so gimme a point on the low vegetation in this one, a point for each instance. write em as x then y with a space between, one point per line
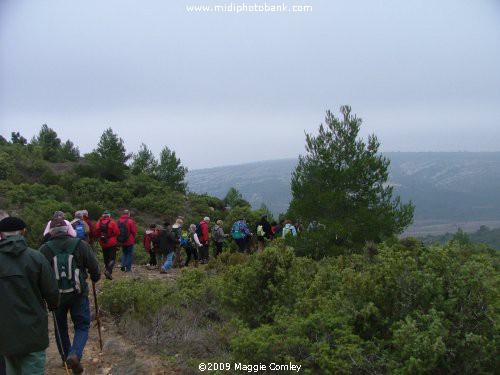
409 308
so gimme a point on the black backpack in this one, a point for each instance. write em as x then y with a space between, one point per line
123 236
68 276
199 231
103 231
168 236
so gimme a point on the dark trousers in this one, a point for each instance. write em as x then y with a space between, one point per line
109 255
152 258
78 307
191 251
204 253
218 248
242 244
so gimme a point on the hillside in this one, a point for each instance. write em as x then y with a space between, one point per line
318 301
449 190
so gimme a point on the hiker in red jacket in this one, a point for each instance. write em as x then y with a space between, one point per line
204 239
93 236
126 237
108 231
149 245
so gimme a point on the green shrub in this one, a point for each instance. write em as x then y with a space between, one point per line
420 343
7 167
141 297
267 283
322 343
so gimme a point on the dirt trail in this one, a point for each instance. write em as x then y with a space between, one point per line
119 356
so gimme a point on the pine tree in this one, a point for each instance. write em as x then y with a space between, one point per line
144 162
69 151
170 171
49 143
110 156
342 182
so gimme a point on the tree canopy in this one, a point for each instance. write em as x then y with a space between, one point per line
144 162
110 157
170 170
342 182
234 198
49 142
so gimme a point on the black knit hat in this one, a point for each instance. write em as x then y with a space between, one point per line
11 224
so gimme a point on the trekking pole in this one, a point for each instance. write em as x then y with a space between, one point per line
97 316
58 337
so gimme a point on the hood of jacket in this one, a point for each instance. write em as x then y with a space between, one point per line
13 245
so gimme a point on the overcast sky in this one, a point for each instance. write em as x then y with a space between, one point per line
226 88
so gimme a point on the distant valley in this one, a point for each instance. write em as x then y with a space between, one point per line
450 190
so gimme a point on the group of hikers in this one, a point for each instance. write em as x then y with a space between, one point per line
167 241
164 243
54 277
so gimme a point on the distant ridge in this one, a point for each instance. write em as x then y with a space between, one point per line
450 189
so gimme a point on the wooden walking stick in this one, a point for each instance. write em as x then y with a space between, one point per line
97 318
58 337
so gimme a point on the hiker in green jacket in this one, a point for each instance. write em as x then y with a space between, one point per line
27 287
71 273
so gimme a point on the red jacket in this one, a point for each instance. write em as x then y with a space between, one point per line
204 233
112 232
92 233
146 240
131 229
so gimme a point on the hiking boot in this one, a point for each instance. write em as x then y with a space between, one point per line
108 275
74 364
163 271
122 269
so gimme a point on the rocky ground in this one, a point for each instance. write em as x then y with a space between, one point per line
119 355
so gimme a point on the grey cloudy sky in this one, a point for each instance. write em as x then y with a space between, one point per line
223 88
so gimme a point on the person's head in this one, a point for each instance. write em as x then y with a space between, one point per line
85 213
152 226
219 223
126 212
206 219
263 217
179 221
106 214
12 226
192 228
58 227
58 214
288 222
79 215
166 224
